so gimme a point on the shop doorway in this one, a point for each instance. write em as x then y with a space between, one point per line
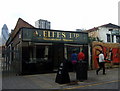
56 52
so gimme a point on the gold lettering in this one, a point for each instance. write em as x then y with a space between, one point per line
44 33
58 34
74 34
63 35
77 35
70 35
35 33
48 33
53 34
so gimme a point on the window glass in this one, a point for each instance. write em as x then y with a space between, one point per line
108 37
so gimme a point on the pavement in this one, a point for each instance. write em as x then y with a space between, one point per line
47 81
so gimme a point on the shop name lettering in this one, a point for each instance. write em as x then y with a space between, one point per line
59 35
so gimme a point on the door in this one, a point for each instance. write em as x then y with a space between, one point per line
57 54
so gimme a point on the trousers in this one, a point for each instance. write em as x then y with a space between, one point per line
101 65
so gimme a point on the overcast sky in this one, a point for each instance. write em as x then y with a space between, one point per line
63 14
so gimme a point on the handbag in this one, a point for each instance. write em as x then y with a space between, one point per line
74 61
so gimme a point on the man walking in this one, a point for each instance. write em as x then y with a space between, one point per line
101 63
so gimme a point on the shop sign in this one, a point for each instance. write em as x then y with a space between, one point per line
54 36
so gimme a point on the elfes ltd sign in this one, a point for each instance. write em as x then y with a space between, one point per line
54 36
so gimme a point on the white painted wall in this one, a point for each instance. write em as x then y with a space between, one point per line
102 34
114 39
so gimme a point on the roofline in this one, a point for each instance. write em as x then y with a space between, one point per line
55 30
95 28
23 21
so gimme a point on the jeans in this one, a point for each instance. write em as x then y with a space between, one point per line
101 65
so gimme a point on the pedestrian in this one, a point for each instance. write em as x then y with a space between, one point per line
81 56
81 70
101 63
74 60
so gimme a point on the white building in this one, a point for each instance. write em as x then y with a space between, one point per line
105 33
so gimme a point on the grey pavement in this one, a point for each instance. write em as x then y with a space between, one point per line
47 81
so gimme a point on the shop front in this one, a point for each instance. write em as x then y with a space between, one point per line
44 50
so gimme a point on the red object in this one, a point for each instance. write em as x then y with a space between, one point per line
81 56
115 58
116 55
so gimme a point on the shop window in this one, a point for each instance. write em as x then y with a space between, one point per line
70 51
40 51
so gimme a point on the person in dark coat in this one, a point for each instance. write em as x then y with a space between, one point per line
81 73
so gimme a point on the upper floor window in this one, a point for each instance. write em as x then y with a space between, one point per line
113 38
111 30
108 37
118 39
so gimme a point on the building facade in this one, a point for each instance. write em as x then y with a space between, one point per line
106 33
34 50
107 39
43 24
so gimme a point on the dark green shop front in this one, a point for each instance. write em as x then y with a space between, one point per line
43 50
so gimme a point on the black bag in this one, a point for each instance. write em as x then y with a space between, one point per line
62 76
81 70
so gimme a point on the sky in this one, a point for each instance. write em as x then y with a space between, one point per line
67 15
